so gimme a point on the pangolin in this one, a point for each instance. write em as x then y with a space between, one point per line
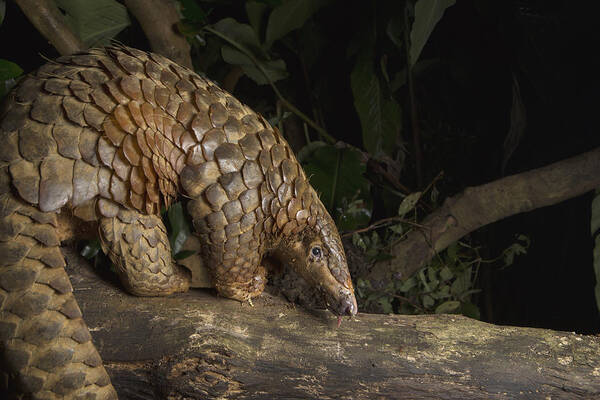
110 136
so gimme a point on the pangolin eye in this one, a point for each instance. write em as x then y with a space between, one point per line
316 251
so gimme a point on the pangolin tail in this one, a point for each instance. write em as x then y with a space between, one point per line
45 346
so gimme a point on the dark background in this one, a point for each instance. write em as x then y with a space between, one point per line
552 48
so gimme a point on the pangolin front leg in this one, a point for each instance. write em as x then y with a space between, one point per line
138 246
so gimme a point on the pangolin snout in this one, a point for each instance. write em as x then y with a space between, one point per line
348 308
345 306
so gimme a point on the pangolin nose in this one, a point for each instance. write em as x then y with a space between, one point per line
348 307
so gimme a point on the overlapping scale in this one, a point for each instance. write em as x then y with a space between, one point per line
137 131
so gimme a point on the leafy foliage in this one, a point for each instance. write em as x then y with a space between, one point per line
380 115
279 43
427 14
518 248
9 72
288 16
247 52
178 226
92 250
338 174
446 285
2 10
95 22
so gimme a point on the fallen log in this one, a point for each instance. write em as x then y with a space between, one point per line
198 346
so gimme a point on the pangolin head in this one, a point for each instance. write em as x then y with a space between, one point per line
318 256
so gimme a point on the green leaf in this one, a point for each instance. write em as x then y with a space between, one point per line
421 275
595 222
275 70
91 249
431 274
192 11
245 37
362 283
191 31
462 283
359 242
447 307
184 254
95 22
255 12
395 29
290 15
2 10
470 310
443 292
515 249
466 295
9 70
398 80
380 116
420 67
309 149
397 229
357 214
336 174
446 274
375 238
408 203
386 305
428 301
427 15
276 119
408 284
180 229
452 252
242 34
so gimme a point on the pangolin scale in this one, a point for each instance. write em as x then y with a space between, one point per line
111 136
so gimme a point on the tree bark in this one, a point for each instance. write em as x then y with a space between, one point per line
482 205
47 18
198 346
158 19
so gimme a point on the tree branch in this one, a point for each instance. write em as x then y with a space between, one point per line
199 346
482 205
48 20
158 19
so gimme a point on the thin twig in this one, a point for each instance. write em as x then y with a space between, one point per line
430 185
412 303
336 173
380 223
283 100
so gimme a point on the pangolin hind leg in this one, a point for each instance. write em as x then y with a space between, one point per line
139 247
46 348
